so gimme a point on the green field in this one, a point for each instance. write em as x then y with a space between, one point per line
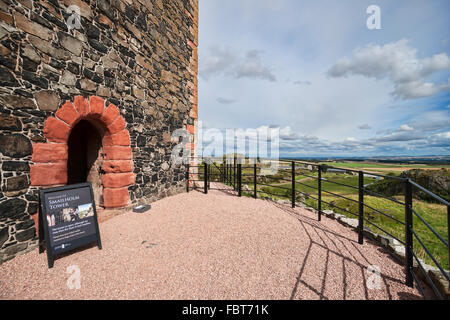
392 168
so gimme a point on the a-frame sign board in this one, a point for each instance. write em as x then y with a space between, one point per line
67 219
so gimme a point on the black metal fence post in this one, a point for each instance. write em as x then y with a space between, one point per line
226 172
234 174
205 177
408 234
319 188
209 176
187 178
239 179
361 207
254 181
293 185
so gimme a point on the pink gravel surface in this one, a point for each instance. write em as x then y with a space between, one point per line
214 246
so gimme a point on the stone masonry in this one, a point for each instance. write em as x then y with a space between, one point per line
131 66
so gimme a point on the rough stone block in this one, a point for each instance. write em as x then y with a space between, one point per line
82 105
68 113
117 126
56 130
115 197
97 105
50 152
47 100
119 139
117 166
117 180
116 153
44 174
110 114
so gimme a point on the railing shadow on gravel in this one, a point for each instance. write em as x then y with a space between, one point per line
230 174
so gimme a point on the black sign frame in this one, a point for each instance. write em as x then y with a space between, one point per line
44 232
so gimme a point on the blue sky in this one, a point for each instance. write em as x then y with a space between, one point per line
332 86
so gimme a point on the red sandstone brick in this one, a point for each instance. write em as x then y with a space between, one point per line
110 114
118 180
48 174
68 113
117 166
49 152
116 153
56 130
190 128
194 112
115 197
97 105
192 45
117 126
119 139
82 105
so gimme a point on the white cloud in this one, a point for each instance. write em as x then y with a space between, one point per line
225 61
398 62
405 127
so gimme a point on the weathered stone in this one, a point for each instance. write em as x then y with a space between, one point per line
17 102
15 145
70 43
48 174
47 100
55 130
34 79
15 248
30 53
31 27
68 78
25 235
17 183
88 85
97 45
50 152
441 283
46 47
10 123
7 79
4 235
15 166
12 207
25 224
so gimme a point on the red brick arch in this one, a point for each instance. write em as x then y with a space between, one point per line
50 159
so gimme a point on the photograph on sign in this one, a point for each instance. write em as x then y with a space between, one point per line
70 218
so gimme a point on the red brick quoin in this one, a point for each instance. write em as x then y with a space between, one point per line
50 159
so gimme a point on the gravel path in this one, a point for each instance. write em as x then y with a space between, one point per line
215 246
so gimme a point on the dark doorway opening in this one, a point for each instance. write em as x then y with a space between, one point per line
85 159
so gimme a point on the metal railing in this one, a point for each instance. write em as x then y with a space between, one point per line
231 174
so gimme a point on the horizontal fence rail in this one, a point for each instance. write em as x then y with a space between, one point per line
230 174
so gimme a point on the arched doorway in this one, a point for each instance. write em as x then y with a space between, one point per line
85 157
86 141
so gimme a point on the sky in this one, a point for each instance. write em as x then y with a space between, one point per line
329 84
